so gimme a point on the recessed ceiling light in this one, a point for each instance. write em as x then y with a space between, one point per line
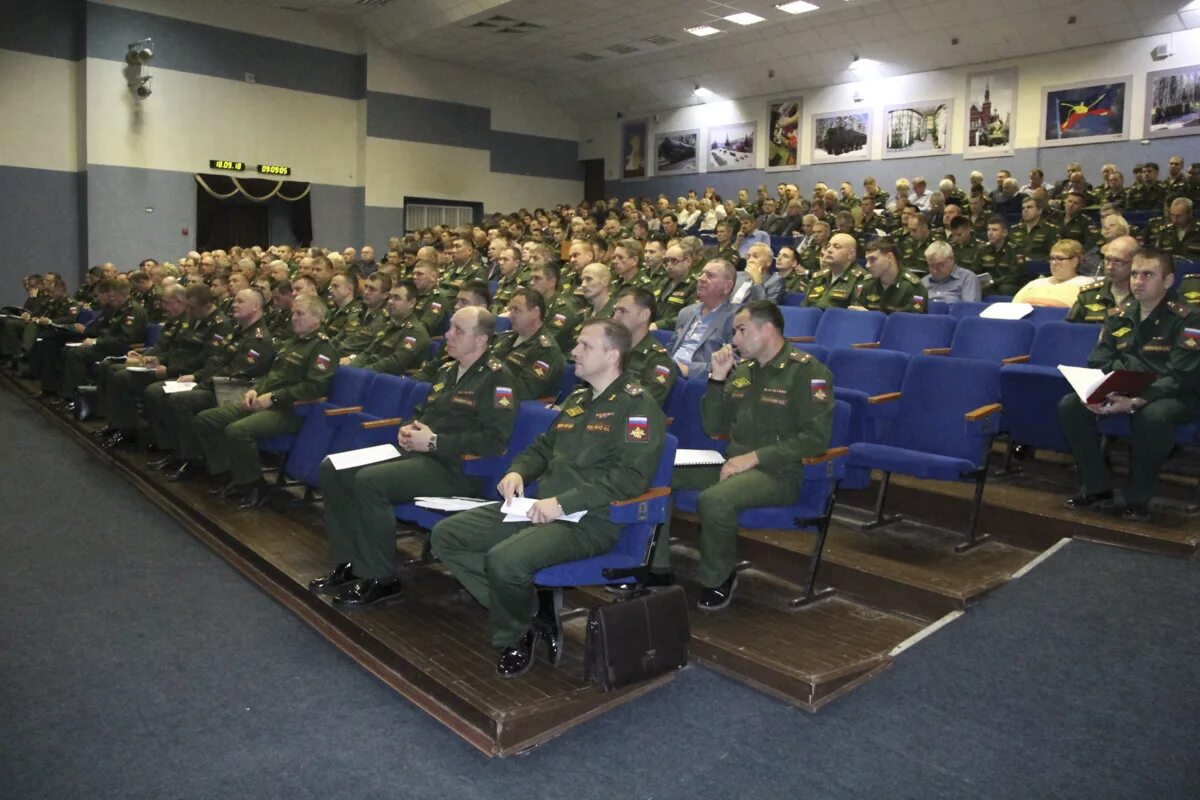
701 92
797 7
745 18
702 30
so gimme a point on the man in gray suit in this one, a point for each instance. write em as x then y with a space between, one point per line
707 325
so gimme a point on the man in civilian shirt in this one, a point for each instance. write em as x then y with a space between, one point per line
749 234
707 325
947 282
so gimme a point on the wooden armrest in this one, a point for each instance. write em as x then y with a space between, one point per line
983 411
652 494
308 402
390 422
866 345
828 455
1015 359
670 421
721 437
337 412
469 457
802 339
887 397
936 351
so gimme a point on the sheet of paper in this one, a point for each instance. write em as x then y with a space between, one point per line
1082 379
139 369
1007 311
451 503
698 458
363 456
171 387
517 510
73 344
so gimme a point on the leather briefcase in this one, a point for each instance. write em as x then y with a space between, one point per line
637 638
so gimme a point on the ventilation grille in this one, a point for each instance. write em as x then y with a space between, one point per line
622 49
659 39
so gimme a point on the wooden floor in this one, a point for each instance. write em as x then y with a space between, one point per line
891 584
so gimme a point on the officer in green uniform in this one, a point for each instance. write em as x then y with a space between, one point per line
433 307
1181 238
528 349
124 325
508 259
627 267
278 318
1189 290
465 266
726 244
361 331
890 287
679 291
999 259
910 251
87 294
229 434
812 253
835 284
961 238
240 349
603 447
653 253
1033 237
1176 180
146 294
1152 334
470 411
402 345
53 307
650 364
776 406
346 308
1100 299
1146 194
1076 224
561 314
598 301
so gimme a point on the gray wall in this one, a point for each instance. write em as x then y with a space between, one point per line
39 225
337 215
382 223
118 227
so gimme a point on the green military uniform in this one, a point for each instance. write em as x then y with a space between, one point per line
432 309
19 335
337 321
151 300
1105 195
906 293
1188 290
671 299
1180 243
1081 229
1167 343
979 226
505 289
1175 186
472 414
652 367
783 411
279 323
639 281
360 332
454 277
589 313
229 434
1033 243
868 225
810 257
398 348
1096 302
911 253
119 332
826 291
1004 265
536 363
656 281
561 318
602 448
966 255
225 305
229 351
119 388
1145 197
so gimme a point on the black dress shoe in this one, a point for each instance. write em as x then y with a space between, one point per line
550 632
1085 500
164 463
516 660
1136 512
367 592
718 597
105 432
339 577
253 495
224 482
187 470
120 439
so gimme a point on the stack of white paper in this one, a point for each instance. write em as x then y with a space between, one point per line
698 458
1007 311
171 387
517 510
350 459
451 504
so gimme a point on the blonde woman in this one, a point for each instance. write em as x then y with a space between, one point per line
1061 287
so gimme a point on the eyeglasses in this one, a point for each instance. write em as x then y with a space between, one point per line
1062 258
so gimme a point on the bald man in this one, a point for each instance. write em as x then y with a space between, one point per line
836 283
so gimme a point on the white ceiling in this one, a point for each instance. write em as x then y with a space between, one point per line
545 41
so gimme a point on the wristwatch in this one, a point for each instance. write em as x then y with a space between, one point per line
433 442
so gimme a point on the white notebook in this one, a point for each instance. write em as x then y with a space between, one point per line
698 458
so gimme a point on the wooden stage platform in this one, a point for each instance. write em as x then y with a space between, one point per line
892 584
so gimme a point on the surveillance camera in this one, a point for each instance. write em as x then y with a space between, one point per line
140 52
143 91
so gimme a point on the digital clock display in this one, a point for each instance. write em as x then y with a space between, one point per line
231 166
274 169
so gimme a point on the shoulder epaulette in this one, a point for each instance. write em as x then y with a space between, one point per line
800 357
633 389
1093 286
321 335
858 271
824 273
544 340
908 276
494 364
657 347
1180 309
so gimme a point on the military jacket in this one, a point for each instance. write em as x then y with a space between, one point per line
826 291
782 410
225 306
605 312
456 276
966 255
1081 229
432 309
505 288
361 331
639 281
810 257
120 330
1189 290
656 281
1166 343
150 300
912 253
401 346
201 340
1004 265
868 225
60 310
1145 197
1095 303
1034 243
652 367
279 321
1186 246
561 319
906 294
979 226
472 414
337 321
1172 186
601 448
302 370
237 352
671 299
167 348
536 363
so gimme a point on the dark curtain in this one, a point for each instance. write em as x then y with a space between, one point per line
222 222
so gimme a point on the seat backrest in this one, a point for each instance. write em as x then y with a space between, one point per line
533 419
1067 343
1184 267
503 324
567 383
817 351
912 333
793 299
153 332
419 394
966 308
992 339
388 396
939 307
349 385
870 371
936 393
841 327
800 321
673 404
1043 314
687 426
662 337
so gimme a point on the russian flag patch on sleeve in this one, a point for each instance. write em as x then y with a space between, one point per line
637 429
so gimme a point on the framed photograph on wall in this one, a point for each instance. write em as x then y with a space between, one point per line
917 129
783 134
633 150
1172 102
732 147
991 113
675 152
1086 112
839 136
